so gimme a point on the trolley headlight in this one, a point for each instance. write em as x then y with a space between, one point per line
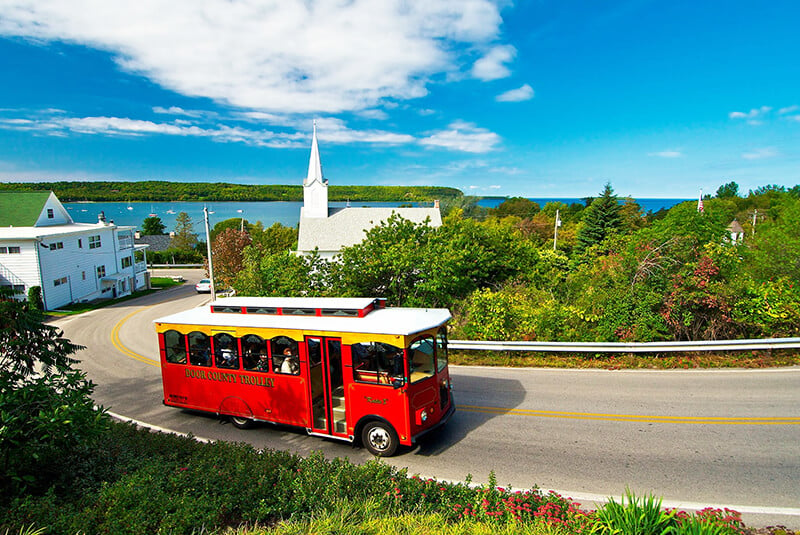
423 415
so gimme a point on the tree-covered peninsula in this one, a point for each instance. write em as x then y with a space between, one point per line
157 190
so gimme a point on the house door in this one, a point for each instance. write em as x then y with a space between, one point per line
326 385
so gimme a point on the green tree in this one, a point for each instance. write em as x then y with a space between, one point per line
389 263
152 226
275 239
46 408
281 274
731 189
517 206
185 238
600 219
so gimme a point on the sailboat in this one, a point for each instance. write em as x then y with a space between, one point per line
152 212
129 205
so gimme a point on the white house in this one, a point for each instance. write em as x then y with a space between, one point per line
330 229
40 245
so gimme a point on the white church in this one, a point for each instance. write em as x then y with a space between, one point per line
328 229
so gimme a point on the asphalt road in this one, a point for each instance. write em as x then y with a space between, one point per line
718 438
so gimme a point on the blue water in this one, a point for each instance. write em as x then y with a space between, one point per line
285 213
647 204
132 214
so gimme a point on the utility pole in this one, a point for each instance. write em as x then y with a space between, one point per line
755 216
555 231
210 264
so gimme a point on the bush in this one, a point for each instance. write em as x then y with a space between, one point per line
35 298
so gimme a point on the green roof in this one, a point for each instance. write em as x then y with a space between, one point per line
21 209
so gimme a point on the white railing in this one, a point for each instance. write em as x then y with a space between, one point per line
624 347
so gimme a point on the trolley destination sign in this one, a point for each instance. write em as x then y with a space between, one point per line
258 380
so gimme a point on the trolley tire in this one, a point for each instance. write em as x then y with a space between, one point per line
241 422
380 439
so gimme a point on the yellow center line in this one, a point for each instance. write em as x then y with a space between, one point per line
706 420
118 343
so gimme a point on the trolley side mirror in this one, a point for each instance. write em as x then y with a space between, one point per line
398 383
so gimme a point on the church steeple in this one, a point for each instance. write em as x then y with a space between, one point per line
315 186
314 163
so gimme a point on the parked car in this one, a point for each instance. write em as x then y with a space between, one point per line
204 286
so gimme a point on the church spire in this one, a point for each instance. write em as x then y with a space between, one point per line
314 163
315 187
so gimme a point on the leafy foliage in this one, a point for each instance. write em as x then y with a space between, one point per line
153 226
731 189
228 253
45 405
153 190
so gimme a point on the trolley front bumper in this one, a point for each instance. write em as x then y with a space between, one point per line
439 424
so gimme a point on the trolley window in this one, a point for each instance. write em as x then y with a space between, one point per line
284 356
376 362
199 349
441 350
255 353
175 347
226 354
421 355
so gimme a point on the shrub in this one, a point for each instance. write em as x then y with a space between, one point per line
35 298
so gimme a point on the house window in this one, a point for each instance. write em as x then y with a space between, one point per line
3 250
127 262
9 250
101 272
83 275
50 214
59 282
57 245
80 243
15 288
94 242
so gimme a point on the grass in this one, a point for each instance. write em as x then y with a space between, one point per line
739 359
156 283
130 481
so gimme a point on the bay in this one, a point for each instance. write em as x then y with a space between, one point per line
134 213
286 213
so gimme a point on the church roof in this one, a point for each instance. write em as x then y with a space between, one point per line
345 227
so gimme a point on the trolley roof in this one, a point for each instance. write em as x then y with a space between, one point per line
354 315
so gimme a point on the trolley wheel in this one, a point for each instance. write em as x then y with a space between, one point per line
380 439
241 422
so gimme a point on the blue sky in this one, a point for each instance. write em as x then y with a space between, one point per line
536 98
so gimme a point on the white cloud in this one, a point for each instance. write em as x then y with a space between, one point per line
753 116
463 136
760 154
379 115
667 154
516 95
492 65
788 109
288 56
331 130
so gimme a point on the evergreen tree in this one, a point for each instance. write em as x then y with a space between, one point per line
731 189
185 238
600 219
